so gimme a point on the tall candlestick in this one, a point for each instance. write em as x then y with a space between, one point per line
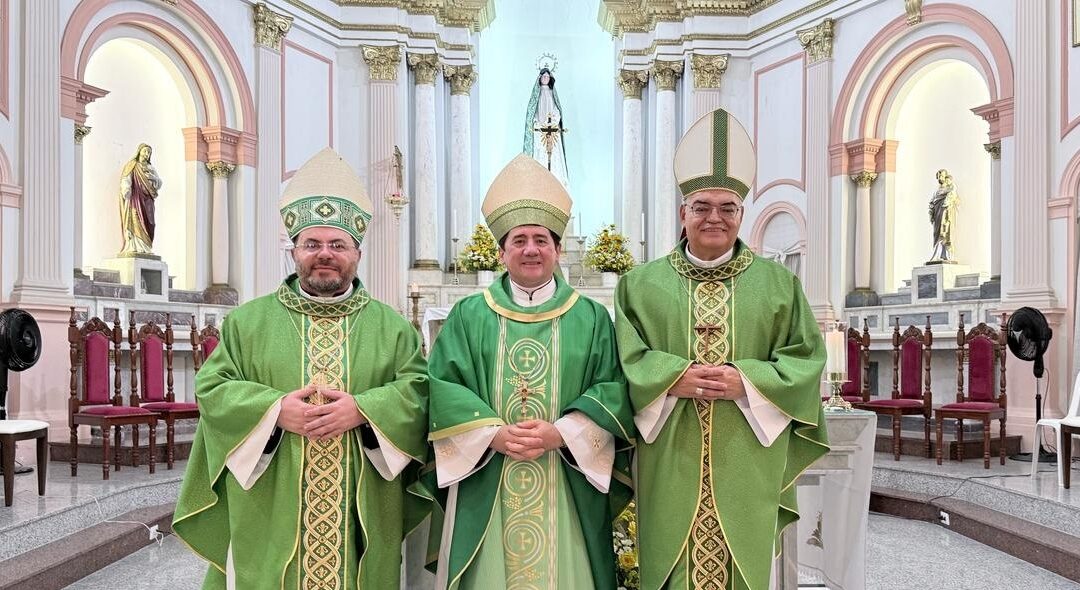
836 352
642 225
453 222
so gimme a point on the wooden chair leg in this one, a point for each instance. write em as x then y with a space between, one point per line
896 437
153 444
7 459
134 445
42 462
986 444
1065 456
74 451
170 429
926 437
1001 447
960 439
116 449
940 438
105 452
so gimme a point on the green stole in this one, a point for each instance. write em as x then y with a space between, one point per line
494 363
712 501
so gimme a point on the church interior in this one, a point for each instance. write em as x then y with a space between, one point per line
918 170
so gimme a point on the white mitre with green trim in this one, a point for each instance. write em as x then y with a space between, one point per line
326 192
715 153
526 193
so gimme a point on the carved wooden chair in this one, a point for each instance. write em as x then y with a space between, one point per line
911 393
93 406
857 388
203 342
152 378
984 347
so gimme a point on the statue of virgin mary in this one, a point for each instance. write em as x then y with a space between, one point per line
545 112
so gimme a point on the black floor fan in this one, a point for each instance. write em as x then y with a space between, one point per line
1028 337
20 348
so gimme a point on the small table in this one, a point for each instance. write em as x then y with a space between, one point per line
12 431
1067 432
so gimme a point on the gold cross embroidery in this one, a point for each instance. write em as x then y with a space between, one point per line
707 332
521 389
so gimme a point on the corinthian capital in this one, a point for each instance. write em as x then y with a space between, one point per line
461 78
666 73
632 81
708 69
382 61
270 27
864 179
817 40
220 169
426 66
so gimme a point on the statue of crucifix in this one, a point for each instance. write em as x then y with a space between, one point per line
548 136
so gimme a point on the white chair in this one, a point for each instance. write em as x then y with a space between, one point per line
1055 423
12 431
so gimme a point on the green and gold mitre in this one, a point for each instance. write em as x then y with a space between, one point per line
326 192
526 193
715 153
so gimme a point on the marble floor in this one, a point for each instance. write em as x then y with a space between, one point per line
934 558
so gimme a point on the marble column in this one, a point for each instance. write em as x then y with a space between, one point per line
707 70
817 41
81 131
42 277
863 181
219 222
425 67
270 29
461 79
665 202
1031 280
994 149
633 161
386 279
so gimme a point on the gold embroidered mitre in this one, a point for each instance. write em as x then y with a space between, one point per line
526 193
326 192
715 153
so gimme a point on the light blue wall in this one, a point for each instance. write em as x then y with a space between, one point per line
508 48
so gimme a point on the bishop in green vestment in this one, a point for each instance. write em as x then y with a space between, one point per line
724 360
312 407
530 419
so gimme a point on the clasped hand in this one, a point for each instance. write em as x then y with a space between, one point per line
528 440
326 421
710 383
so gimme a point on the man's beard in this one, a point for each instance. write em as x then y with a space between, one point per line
324 287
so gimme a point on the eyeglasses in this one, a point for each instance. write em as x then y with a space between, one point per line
337 246
726 211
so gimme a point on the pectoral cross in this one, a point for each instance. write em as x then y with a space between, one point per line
547 131
521 389
707 332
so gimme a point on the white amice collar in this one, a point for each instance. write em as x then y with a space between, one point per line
326 300
715 262
526 297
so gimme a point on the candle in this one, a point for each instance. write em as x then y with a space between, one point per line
414 289
836 352
643 225
453 223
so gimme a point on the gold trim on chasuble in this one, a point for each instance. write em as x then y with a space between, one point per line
712 345
528 490
324 507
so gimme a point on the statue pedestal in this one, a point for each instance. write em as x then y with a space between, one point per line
928 282
149 276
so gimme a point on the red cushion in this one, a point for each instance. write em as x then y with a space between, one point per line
854 370
115 411
150 370
171 406
208 346
911 369
895 403
972 406
96 369
981 369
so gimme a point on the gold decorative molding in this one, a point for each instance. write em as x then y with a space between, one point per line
666 73
817 40
632 81
640 16
461 78
382 61
994 149
398 29
220 169
708 69
425 65
864 179
914 11
474 15
81 131
270 27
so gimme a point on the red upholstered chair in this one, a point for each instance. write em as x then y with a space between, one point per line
857 388
984 346
203 342
90 354
152 378
911 394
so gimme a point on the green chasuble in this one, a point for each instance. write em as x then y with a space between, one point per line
712 501
320 516
530 524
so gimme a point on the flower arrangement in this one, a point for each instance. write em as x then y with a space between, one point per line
624 537
481 253
608 253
